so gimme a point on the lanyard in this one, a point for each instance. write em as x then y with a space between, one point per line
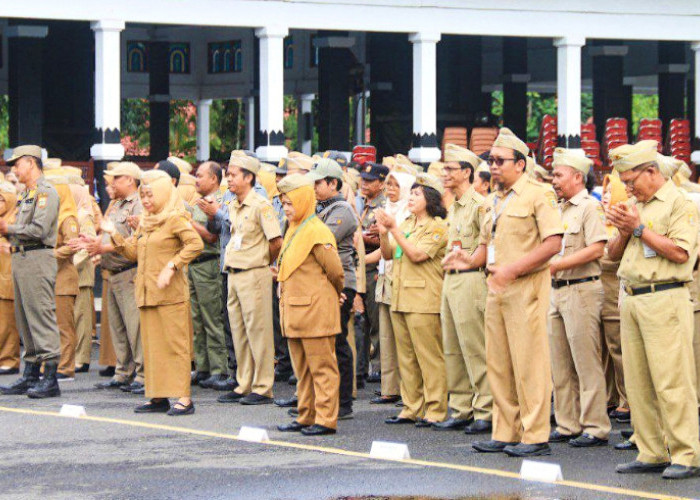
497 213
279 260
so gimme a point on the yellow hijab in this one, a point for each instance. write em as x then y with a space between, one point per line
9 194
304 232
66 204
167 202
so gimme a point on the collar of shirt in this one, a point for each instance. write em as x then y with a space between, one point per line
376 202
577 198
326 203
664 191
469 193
248 199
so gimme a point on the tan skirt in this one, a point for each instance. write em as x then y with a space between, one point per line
167 352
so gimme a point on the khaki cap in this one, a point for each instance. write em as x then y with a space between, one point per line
292 182
125 168
21 151
245 162
187 180
300 161
483 167
74 174
458 153
326 168
430 181
389 161
628 156
436 169
183 166
403 164
684 170
570 158
507 139
52 163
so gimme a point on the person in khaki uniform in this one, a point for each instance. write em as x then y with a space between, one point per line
311 281
106 356
254 245
9 336
522 231
657 248
580 397
163 244
464 301
415 301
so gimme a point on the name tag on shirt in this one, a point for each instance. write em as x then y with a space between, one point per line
648 252
381 267
490 255
237 241
563 246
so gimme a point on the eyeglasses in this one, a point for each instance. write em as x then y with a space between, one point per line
630 183
452 169
498 161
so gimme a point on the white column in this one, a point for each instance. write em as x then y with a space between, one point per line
695 155
425 146
271 126
203 106
306 124
250 123
569 90
107 90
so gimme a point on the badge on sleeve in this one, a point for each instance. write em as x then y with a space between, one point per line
551 198
692 217
601 212
268 213
74 228
41 200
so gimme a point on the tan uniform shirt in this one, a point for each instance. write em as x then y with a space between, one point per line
67 275
7 290
253 224
464 218
416 288
82 261
584 224
119 213
671 214
526 215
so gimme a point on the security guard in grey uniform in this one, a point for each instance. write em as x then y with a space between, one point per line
34 267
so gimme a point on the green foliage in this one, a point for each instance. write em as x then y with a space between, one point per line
135 119
291 125
227 128
643 106
4 121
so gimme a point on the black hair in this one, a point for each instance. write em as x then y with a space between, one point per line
466 164
170 169
591 180
339 186
251 174
517 155
485 176
433 201
216 170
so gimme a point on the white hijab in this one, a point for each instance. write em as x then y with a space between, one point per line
399 209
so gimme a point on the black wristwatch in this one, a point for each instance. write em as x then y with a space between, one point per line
637 233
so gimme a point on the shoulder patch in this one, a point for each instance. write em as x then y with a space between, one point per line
551 198
73 227
268 212
41 200
601 212
692 216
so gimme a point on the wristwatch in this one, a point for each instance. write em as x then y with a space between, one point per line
172 266
637 233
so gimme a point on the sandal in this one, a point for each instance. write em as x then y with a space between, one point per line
180 409
154 406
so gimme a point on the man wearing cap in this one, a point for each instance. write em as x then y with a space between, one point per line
657 247
340 218
254 245
580 397
463 302
373 176
522 231
34 268
123 319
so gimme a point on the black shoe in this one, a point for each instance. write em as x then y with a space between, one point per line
154 406
399 420
131 387
345 414
676 471
230 397
64 378
585 440
558 437
48 385
638 467
384 400
287 403
178 409
82 368
527 450
228 384
139 391
377 393
107 372
9 371
479 427
491 446
626 433
317 430
423 423
282 376
29 378
626 445
374 377
111 384
399 403
451 424
198 377
292 380
255 399
294 426
293 412
621 416
208 383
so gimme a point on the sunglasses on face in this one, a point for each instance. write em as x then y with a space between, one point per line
498 161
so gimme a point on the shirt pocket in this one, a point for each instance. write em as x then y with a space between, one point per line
573 238
299 301
517 221
414 283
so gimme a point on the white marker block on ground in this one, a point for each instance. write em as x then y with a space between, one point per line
389 451
75 411
540 471
253 434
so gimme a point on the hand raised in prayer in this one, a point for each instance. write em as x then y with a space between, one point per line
209 207
625 218
108 226
385 219
93 245
133 221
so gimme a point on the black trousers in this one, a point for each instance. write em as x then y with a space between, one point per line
371 330
284 361
227 326
343 352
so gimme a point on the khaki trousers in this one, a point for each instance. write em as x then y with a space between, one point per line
318 383
617 394
124 327
210 350
463 303
518 361
696 351
65 316
353 348
390 385
107 356
421 365
84 304
9 336
580 397
657 354
250 315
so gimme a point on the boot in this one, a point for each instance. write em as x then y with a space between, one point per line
48 386
29 378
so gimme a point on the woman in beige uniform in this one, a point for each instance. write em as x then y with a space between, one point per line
163 244
9 337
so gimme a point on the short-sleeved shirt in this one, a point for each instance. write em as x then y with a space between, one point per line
584 225
671 214
526 215
417 288
36 221
465 218
119 215
202 218
253 224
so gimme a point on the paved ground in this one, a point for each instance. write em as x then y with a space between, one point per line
50 457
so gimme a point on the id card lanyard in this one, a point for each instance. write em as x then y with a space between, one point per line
491 250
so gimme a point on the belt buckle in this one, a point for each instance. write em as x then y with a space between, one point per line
629 290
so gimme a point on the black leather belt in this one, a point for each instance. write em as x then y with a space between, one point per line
205 258
123 269
29 248
641 290
234 270
461 271
563 283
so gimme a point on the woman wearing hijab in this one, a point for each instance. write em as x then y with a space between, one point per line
311 280
398 189
163 244
9 337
